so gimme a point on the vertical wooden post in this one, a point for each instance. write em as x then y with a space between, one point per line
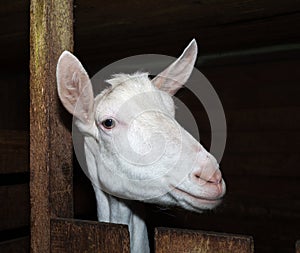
51 32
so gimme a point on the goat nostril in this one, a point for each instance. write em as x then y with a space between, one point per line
215 178
197 176
217 181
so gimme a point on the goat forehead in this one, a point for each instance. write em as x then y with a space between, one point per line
138 77
156 122
135 92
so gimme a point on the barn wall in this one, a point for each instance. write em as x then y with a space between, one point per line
252 60
260 96
14 127
14 163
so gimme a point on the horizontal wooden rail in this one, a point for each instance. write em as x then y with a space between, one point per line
14 151
184 241
14 211
77 236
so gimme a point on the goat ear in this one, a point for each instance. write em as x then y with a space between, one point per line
75 88
176 75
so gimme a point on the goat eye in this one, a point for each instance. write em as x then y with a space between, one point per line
108 123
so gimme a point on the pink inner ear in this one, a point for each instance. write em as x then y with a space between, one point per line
177 74
74 87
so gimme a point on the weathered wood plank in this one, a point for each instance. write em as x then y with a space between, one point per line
15 209
276 142
218 26
284 232
14 99
266 187
261 164
51 32
278 118
252 85
268 142
258 73
79 236
285 118
256 85
14 151
14 30
207 12
20 245
178 240
156 39
257 208
210 21
272 53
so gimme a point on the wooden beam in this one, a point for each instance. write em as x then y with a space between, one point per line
76 236
169 240
218 26
51 32
12 198
14 152
15 96
252 55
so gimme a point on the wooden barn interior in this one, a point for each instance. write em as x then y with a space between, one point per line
248 49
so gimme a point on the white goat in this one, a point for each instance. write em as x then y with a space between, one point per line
134 148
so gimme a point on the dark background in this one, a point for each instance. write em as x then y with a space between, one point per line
249 50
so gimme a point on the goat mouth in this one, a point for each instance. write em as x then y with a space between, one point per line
210 201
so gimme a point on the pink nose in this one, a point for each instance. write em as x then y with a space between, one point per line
212 178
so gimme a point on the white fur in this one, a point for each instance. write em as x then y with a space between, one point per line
147 156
